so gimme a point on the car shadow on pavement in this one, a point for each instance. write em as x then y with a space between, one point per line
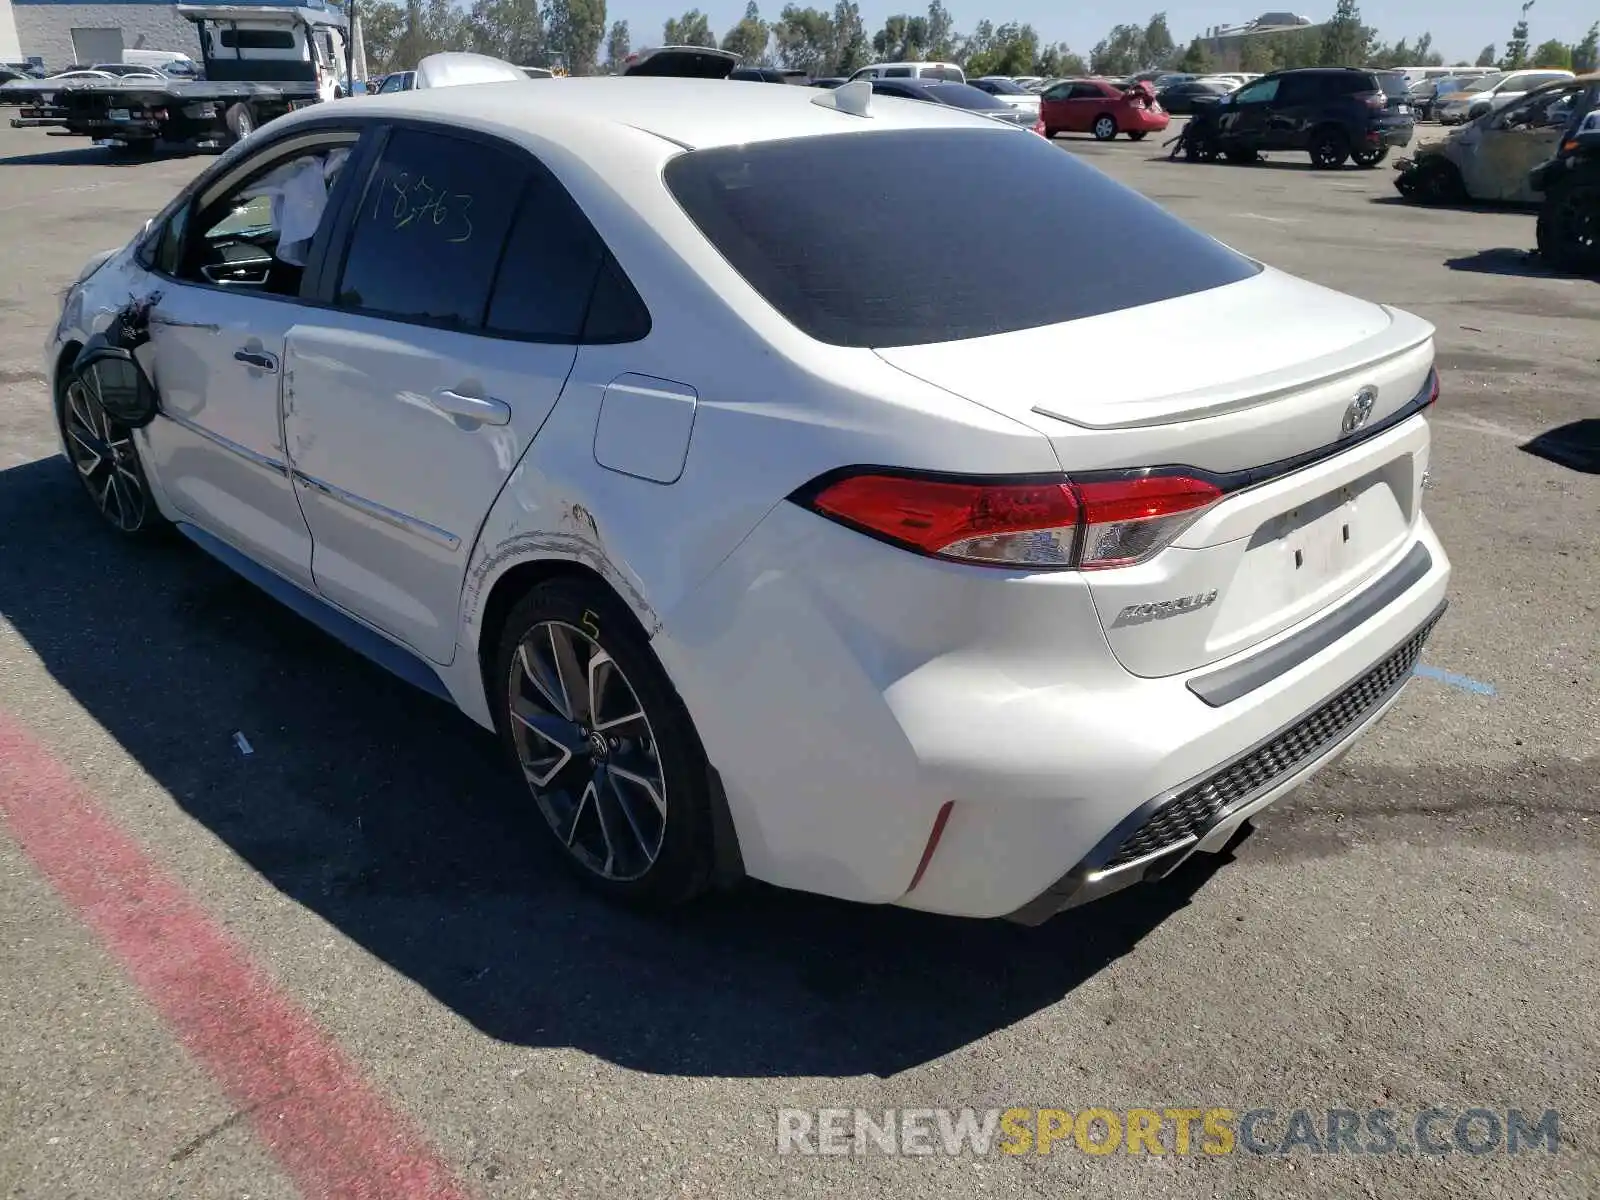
1506 260
395 820
1575 445
93 156
1466 206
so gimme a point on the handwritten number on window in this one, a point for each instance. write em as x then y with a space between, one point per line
420 204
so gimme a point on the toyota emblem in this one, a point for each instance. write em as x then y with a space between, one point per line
1359 412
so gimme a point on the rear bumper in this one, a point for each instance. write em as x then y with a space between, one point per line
1204 813
1142 120
848 693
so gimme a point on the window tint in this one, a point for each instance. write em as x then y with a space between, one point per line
548 270
169 248
950 73
430 229
257 39
911 265
897 72
959 95
1257 93
1060 92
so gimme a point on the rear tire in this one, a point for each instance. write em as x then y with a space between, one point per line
241 122
1367 159
1329 148
1569 227
1104 128
629 806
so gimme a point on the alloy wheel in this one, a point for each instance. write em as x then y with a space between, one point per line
1576 227
587 750
105 458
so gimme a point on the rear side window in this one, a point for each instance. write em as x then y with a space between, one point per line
890 255
898 73
428 235
550 270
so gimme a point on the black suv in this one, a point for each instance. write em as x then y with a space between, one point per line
1330 113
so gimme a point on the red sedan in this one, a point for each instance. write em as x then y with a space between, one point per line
1101 108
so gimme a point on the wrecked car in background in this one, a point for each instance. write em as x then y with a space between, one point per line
1490 158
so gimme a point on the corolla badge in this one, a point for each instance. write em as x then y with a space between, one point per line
1359 412
1138 613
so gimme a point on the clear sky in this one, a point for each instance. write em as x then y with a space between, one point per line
1460 28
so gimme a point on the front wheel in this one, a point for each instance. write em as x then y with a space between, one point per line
608 751
1137 135
102 452
1104 128
1329 149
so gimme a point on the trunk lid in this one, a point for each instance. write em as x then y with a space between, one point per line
1236 382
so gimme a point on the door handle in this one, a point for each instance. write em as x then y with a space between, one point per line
473 409
256 358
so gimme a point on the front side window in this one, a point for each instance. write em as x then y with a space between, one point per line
258 235
430 228
1257 93
911 266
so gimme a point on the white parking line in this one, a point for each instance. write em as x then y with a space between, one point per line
1274 220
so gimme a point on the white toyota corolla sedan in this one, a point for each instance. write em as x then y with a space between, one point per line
786 515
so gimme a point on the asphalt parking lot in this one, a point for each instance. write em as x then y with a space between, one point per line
1415 929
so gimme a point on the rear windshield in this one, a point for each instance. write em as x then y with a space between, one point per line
1004 87
1394 85
905 247
942 73
964 95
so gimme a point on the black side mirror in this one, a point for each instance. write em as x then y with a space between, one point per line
114 378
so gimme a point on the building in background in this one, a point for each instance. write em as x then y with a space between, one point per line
1224 44
62 32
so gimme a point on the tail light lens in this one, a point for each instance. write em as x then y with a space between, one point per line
1433 389
1038 127
1375 99
1053 524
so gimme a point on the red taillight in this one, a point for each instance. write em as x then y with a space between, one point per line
1375 99
1004 524
1127 520
1433 388
1047 525
1038 127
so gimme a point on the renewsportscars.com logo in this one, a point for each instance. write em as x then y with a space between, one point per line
1177 1131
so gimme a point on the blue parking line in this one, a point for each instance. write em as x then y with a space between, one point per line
1463 682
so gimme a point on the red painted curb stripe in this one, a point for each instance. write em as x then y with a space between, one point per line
334 1135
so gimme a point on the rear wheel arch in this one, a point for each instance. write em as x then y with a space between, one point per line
506 594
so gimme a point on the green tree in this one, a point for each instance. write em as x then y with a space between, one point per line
619 44
1058 61
1195 60
1260 54
1346 42
1120 52
1159 50
1516 54
509 29
804 39
1586 54
575 29
1486 56
1553 53
382 24
691 29
748 39
941 32
850 51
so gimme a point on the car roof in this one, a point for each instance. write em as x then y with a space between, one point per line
692 113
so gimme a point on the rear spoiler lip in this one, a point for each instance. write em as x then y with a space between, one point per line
1404 333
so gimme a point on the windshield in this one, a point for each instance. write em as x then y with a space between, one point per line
960 95
1004 87
889 254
